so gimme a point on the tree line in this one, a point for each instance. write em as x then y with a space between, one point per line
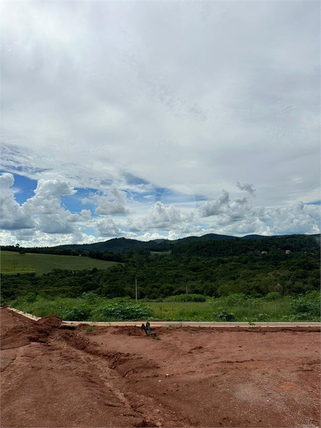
194 270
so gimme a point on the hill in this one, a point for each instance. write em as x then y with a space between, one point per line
123 245
223 243
118 249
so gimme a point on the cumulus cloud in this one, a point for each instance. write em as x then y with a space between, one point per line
46 208
85 215
112 202
43 211
107 228
215 207
12 215
247 187
160 217
239 217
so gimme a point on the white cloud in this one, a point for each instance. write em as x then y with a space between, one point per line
45 207
107 228
240 218
85 215
112 203
12 215
43 215
247 187
215 207
160 217
38 238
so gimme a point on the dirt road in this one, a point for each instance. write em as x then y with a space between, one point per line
64 376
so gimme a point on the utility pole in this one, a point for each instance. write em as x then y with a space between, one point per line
136 289
186 289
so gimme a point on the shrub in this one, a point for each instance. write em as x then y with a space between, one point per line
307 306
78 313
121 309
234 299
301 306
30 297
224 315
272 296
90 297
186 298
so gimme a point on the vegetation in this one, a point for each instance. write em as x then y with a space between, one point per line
236 307
186 298
83 309
226 279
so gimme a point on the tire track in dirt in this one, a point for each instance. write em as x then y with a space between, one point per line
46 358
120 368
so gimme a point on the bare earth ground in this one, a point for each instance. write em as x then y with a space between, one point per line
53 376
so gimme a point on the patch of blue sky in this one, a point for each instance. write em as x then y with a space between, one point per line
23 187
81 200
134 180
143 197
171 197
314 203
91 232
201 198
166 196
203 225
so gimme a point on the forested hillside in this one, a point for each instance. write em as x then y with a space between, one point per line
288 265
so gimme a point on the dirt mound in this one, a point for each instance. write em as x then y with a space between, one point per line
29 331
51 321
16 337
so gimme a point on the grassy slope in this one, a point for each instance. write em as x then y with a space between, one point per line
12 262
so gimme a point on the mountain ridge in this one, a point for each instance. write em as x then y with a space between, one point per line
123 245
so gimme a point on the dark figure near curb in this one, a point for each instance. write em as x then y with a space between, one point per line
146 329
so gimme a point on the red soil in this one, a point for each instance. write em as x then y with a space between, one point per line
119 377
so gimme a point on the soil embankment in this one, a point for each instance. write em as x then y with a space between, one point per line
60 376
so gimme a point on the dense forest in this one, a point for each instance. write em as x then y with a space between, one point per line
289 265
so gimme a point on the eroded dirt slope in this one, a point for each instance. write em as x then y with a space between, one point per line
118 377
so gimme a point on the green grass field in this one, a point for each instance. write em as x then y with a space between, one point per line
13 262
218 310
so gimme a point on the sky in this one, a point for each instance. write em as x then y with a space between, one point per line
158 119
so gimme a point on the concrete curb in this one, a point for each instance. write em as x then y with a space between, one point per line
25 314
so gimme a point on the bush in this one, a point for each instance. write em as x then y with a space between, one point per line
235 298
90 297
186 298
121 309
30 297
272 296
78 313
224 315
307 306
